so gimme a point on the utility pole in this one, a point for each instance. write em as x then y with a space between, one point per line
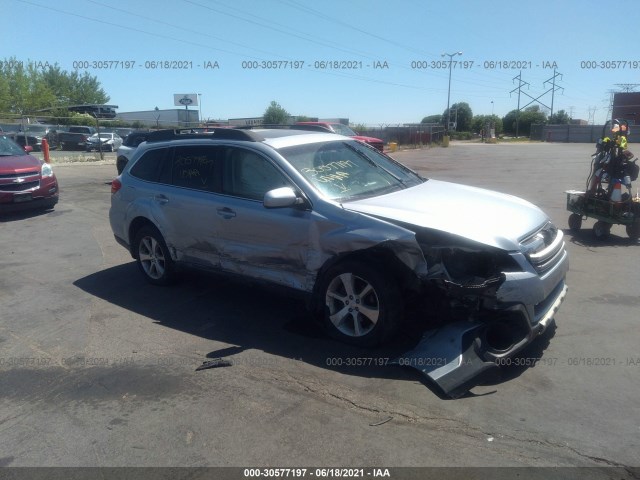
450 55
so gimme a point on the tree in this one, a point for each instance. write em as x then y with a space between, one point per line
460 113
432 119
527 117
26 87
275 114
559 118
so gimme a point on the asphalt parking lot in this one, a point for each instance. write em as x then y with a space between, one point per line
98 368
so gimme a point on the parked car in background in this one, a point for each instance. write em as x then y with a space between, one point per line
33 135
342 129
122 131
25 181
107 142
360 235
129 145
75 138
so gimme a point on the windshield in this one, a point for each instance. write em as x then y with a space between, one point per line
346 170
9 148
343 130
36 129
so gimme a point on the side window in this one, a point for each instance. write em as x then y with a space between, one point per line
196 167
249 175
150 165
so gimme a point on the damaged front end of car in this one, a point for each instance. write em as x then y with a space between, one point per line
497 302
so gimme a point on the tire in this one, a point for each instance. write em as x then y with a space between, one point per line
121 162
153 257
633 230
601 229
575 222
360 305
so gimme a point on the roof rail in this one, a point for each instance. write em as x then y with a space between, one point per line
218 133
312 128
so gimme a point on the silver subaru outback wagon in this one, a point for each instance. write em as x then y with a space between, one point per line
354 230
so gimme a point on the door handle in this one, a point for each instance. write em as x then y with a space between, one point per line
226 212
161 199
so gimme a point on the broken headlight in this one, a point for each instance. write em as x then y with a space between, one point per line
468 266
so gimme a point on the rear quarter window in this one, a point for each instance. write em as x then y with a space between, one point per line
152 167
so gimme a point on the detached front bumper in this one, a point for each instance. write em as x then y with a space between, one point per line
457 355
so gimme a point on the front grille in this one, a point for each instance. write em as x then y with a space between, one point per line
19 187
545 248
11 176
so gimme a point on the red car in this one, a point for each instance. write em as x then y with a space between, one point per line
341 129
25 182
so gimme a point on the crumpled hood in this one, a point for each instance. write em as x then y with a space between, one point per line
485 216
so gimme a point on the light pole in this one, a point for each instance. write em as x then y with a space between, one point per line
492 108
200 108
450 55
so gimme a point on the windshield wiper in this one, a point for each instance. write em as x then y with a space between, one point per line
370 161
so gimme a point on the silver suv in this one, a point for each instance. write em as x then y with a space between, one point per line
360 234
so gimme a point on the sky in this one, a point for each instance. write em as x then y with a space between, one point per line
374 62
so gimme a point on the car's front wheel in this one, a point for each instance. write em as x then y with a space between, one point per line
153 256
361 305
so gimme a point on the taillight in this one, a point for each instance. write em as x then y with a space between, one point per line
116 185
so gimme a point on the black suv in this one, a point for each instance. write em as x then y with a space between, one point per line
128 146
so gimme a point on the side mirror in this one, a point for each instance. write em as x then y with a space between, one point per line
281 198
28 148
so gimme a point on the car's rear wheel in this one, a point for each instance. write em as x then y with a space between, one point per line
361 306
153 256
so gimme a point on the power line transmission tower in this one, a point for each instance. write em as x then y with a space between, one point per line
610 104
521 83
553 88
627 87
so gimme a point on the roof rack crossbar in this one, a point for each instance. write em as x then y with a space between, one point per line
278 126
218 133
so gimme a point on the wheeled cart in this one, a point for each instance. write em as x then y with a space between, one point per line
606 212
